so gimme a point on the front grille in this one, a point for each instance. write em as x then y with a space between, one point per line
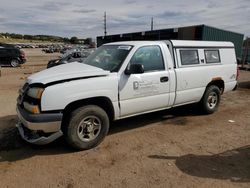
25 86
22 93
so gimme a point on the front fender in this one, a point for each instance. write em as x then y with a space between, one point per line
58 96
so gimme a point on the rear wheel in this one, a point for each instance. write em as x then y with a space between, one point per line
87 127
14 63
211 99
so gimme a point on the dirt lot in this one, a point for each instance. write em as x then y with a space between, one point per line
173 148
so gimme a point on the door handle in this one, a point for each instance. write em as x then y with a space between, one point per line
164 79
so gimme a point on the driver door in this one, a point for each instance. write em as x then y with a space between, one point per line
147 91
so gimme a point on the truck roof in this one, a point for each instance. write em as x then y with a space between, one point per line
135 43
178 43
195 43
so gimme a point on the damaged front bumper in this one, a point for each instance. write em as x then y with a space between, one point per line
34 138
39 129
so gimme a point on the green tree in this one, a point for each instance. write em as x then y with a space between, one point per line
66 40
73 40
88 41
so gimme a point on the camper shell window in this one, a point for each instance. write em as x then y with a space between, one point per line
212 56
189 57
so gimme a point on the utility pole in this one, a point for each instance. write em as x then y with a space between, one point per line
105 24
152 24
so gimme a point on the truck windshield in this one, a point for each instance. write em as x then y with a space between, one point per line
109 57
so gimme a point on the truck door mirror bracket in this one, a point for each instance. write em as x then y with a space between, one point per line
134 69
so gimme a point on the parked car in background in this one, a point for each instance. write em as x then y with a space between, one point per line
71 56
10 55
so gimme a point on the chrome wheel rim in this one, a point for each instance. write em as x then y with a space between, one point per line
89 128
212 100
14 63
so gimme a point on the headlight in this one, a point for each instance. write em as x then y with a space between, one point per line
35 92
34 109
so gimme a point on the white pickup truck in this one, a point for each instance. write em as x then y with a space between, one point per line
119 80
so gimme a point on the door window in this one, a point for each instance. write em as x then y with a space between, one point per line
150 57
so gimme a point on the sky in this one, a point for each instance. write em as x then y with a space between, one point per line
84 18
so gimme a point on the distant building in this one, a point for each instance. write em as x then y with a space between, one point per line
246 52
197 32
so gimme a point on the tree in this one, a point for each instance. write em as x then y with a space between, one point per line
88 41
28 37
66 40
73 40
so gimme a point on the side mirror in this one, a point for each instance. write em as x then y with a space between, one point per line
134 69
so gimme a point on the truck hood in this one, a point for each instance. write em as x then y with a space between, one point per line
66 72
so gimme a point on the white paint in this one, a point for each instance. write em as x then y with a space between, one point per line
64 72
140 93
196 44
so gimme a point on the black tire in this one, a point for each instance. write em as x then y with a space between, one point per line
211 99
82 132
14 63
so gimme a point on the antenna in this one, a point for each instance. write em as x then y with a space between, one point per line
105 24
152 24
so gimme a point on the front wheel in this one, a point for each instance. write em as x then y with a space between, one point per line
87 127
211 99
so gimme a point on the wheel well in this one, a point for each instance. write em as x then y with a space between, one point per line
102 102
219 83
14 58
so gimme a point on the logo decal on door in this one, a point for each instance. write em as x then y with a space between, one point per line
146 88
136 85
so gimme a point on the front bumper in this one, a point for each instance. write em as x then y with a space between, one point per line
36 139
43 122
31 124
